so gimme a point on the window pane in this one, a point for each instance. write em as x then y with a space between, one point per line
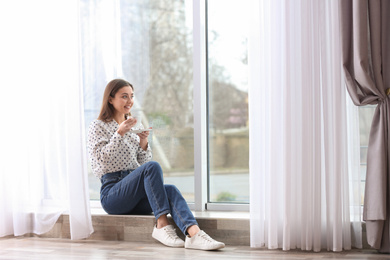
228 25
148 43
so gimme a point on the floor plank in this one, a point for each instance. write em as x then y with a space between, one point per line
49 248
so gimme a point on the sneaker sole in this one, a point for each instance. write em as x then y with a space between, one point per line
208 249
176 246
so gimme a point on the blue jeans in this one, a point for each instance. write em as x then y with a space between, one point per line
142 191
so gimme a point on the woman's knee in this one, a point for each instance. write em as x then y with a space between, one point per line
153 171
154 166
171 189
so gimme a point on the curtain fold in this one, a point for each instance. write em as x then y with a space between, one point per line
366 63
43 171
304 171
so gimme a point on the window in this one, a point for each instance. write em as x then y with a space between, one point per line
150 44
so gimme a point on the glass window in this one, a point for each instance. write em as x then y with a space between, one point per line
227 37
148 43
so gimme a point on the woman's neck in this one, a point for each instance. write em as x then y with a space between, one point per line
119 118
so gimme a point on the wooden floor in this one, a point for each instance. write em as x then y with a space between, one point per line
53 248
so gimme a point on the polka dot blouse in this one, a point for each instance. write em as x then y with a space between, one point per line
110 152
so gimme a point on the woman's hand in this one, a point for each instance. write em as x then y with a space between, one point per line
143 139
143 135
126 125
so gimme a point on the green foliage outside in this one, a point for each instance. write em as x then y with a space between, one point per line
226 196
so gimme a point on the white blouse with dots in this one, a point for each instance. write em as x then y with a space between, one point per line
110 152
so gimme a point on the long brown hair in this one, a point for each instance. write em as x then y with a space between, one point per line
107 110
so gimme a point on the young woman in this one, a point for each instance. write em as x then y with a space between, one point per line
131 182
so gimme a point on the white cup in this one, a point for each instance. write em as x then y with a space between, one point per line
137 115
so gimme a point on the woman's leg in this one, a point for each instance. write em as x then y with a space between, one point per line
142 208
146 181
184 219
193 230
179 209
126 196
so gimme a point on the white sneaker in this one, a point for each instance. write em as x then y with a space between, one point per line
167 235
202 241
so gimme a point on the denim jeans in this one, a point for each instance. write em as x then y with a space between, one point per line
142 191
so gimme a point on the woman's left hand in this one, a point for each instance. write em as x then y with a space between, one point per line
143 139
143 135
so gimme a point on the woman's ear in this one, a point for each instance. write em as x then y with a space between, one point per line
110 100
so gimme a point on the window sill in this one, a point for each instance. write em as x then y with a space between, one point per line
218 212
197 214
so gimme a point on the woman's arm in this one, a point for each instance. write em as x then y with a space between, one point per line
102 146
143 140
144 151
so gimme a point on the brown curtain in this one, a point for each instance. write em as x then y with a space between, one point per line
365 29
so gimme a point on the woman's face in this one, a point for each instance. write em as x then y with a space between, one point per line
123 100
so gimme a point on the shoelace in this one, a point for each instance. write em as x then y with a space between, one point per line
207 237
171 233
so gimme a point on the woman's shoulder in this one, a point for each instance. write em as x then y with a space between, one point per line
100 124
97 124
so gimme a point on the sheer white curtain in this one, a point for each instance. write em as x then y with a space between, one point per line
42 161
304 154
